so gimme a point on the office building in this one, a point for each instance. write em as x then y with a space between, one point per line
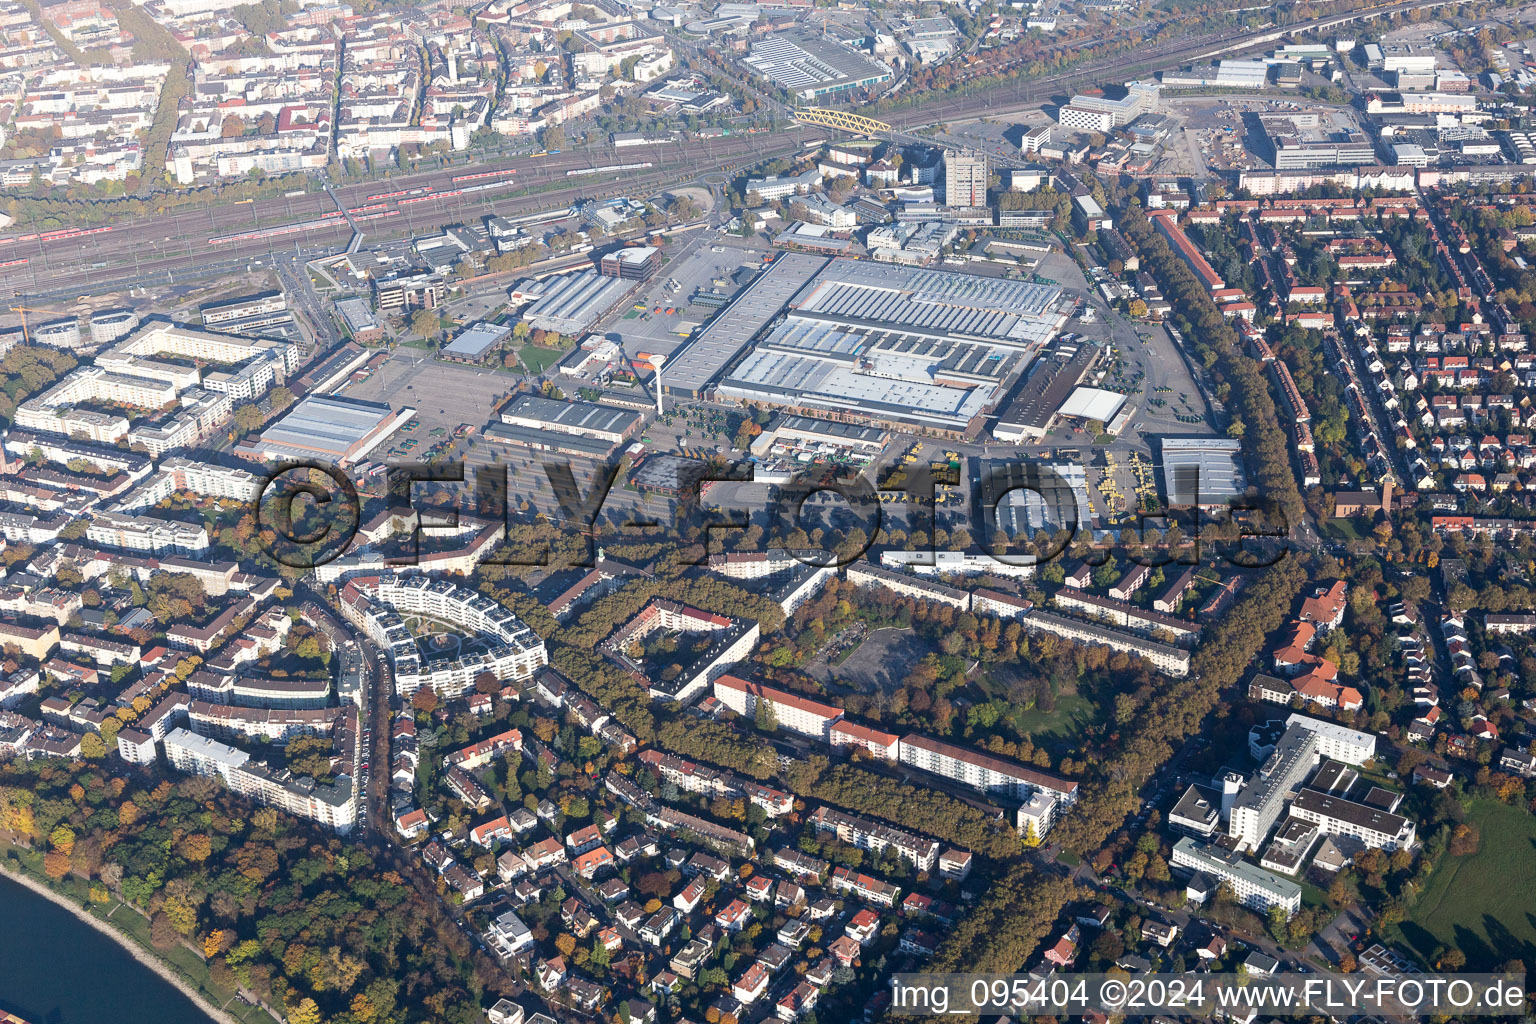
1096 113
633 263
966 173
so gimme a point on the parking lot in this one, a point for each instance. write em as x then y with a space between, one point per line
445 396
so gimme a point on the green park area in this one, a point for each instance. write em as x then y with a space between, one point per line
1483 903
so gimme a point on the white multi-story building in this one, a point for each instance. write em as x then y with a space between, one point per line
1169 660
791 711
991 775
1253 886
198 755
1336 741
1377 828
1261 802
862 575
1095 113
146 533
373 604
136 747
334 806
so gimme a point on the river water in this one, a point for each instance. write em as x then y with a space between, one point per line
56 970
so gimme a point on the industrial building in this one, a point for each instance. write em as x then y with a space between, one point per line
475 341
1039 399
584 429
811 66
1225 74
327 428
1202 471
569 303
695 365
1021 498
1302 140
909 348
584 418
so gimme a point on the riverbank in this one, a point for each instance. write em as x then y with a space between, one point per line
144 957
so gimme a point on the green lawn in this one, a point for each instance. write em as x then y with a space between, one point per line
1073 713
1340 529
1485 904
537 358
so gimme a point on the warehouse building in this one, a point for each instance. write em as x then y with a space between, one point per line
327 428
1202 471
475 341
586 419
811 66
1056 374
584 429
694 366
1225 74
569 303
906 348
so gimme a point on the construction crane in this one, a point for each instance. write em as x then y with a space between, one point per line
26 336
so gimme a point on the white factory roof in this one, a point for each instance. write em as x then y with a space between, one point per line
1092 404
476 339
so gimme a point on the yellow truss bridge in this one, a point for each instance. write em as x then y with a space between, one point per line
841 120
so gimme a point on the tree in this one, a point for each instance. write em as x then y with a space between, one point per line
232 127
425 323
424 700
306 1012
763 717
92 748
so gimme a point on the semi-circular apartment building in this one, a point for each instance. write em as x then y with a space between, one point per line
375 604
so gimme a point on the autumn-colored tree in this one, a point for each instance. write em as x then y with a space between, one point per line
212 941
306 1012
196 847
162 933
127 812
56 865
363 1008
424 700
62 839
565 943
